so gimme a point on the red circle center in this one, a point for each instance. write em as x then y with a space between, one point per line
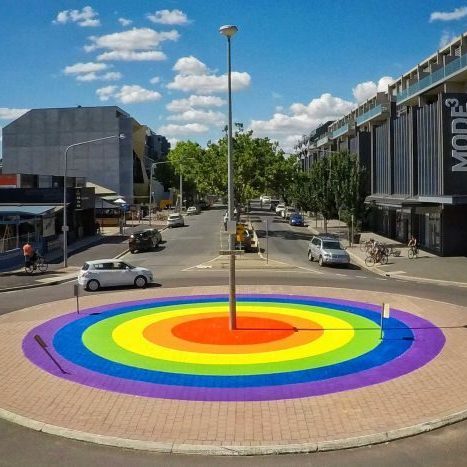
250 330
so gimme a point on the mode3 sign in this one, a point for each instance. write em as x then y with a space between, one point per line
458 113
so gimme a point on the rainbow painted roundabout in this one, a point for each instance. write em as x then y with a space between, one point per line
284 347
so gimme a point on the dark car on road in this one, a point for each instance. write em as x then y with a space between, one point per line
145 240
296 219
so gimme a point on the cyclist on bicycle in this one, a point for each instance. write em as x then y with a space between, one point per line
29 253
413 243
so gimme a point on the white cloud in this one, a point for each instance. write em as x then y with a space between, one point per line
11 114
190 66
131 40
87 17
182 130
209 83
276 95
90 72
80 68
128 94
132 56
199 116
301 119
457 13
364 91
194 76
155 80
446 38
125 22
106 92
110 76
182 105
168 17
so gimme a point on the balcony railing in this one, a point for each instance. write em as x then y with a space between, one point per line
372 113
322 141
433 79
340 131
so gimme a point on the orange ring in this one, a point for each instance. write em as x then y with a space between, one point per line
161 334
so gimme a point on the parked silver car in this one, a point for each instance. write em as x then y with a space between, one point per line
175 220
327 250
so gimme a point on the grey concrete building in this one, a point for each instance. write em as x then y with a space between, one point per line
35 144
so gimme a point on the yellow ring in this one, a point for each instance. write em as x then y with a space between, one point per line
128 335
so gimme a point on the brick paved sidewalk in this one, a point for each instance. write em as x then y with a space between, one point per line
430 396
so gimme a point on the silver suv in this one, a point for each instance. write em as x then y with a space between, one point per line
327 250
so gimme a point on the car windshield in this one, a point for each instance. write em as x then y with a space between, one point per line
332 245
174 216
85 267
126 265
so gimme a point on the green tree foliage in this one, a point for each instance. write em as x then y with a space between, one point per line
259 166
333 186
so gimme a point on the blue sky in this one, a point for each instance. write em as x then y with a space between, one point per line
295 63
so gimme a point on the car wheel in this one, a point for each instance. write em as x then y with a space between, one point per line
320 261
141 282
132 252
310 256
93 285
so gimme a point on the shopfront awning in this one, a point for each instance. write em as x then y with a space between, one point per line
32 210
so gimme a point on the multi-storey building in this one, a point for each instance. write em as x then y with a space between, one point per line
413 139
34 147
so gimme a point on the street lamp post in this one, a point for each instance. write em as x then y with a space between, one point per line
65 223
229 31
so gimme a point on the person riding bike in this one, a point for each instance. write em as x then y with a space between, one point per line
30 255
413 244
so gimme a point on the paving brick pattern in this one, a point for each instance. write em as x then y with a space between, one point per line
432 392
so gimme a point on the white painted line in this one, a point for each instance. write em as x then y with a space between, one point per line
396 272
362 277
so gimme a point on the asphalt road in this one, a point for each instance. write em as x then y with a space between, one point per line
175 265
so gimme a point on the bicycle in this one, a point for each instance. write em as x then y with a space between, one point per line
366 246
377 256
412 252
39 264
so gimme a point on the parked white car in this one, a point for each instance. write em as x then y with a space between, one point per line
288 211
280 208
192 210
110 272
175 220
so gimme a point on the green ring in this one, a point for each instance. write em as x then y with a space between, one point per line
98 339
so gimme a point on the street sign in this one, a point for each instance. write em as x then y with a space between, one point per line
386 310
231 252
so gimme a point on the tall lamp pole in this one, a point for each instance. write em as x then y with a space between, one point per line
65 222
229 31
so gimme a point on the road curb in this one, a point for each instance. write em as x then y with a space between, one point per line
214 450
59 281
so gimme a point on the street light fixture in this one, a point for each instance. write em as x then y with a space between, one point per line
65 224
229 31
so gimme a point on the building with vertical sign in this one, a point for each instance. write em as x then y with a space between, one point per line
413 141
